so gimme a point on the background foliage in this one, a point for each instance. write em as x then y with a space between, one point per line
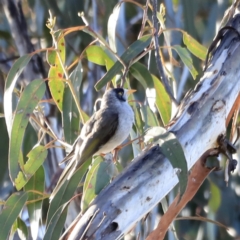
27 213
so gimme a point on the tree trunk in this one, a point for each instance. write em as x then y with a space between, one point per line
200 120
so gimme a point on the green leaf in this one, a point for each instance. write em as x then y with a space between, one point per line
142 74
97 178
36 158
132 52
56 85
70 114
215 199
61 47
172 149
194 46
22 229
163 101
13 230
112 24
36 183
138 119
51 57
56 71
148 117
56 224
30 97
98 56
186 58
11 80
67 190
10 212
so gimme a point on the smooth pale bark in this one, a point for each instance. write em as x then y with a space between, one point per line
201 119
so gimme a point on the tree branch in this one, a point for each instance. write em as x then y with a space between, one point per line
198 174
200 120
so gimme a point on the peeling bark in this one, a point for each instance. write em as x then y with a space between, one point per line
200 120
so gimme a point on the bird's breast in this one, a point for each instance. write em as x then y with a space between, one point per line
125 122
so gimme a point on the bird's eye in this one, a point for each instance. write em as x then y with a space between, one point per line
120 93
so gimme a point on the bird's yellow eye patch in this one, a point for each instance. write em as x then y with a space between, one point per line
120 93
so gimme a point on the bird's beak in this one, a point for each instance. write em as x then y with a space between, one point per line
130 91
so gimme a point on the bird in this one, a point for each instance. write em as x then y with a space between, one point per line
102 133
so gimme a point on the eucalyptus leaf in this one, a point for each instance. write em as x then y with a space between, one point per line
56 224
194 46
186 58
148 117
10 212
36 158
56 71
36 183
11 80
97 178
215 197
112 24
30 97
130 54
22 229
173 151
67 190
97 55
70 114
163 101
142 74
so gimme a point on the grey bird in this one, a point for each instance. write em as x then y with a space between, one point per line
102 133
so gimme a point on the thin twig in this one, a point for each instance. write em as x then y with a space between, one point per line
144 19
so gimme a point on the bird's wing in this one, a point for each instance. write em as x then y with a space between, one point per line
99 130
71 153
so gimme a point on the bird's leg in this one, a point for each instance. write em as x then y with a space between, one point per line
115 153
117 149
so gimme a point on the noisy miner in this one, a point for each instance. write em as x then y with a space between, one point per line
102 133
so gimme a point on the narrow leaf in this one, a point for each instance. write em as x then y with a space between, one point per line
51 57
98 56
194 46
96 179
67 190
215 197
70 114
36 158
132 52
112 23
172 149
30 97
56 85
56 224
148 117
56 71
138 119
142 74
36 183
61 47
22 229
163 101
10 212
11 80
186 58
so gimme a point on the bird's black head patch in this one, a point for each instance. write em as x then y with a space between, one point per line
120 94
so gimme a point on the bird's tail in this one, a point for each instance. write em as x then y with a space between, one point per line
66 175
